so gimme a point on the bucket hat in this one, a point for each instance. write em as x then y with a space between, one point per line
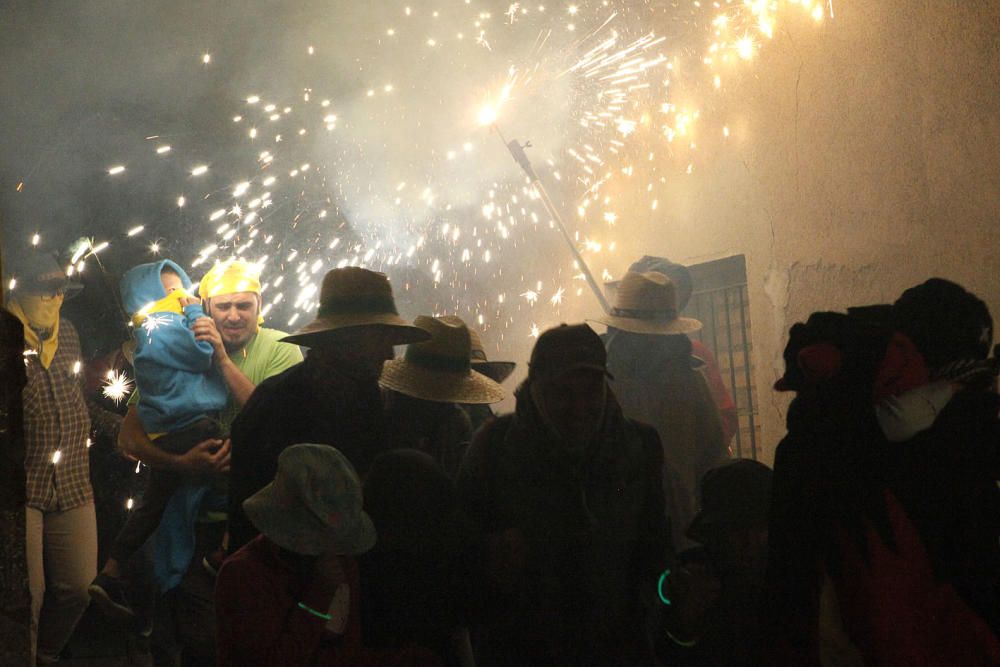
314 504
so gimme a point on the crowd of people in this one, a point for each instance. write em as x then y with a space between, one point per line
352 506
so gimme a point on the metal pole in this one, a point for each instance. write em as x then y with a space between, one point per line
517 152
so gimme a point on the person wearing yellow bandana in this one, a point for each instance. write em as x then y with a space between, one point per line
61 529
245 354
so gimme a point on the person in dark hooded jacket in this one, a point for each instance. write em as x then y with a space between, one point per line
569 493
942 455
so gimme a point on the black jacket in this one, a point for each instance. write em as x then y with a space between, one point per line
946 480
595 533
296 407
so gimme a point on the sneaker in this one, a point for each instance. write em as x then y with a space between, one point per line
213 561
109 594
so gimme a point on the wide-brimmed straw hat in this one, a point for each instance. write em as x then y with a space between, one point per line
497 371
353 297
314 504
646 303
440 369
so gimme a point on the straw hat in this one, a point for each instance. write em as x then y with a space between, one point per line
354 297
440 369
497 371
646 303
314 504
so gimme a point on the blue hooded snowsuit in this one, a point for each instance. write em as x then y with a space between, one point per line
174 374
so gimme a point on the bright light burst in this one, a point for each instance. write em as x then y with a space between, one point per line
117 386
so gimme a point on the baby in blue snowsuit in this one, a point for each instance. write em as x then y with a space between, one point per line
180 397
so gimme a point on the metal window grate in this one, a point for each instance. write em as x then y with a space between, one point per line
720 300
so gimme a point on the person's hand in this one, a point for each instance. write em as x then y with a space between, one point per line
329 573
206 458
186 301
204 329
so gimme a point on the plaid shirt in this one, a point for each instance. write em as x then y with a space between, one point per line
57 428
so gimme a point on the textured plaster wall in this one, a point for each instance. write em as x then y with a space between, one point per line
864 158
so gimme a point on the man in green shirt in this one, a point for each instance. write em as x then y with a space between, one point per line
245 354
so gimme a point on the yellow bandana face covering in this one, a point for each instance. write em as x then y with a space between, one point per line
39 314
42 313
171 303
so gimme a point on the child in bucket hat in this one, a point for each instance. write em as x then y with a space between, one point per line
292 596
313 506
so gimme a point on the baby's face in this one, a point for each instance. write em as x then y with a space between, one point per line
171 282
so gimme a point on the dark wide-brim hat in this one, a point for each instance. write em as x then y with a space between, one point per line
37 272
352 297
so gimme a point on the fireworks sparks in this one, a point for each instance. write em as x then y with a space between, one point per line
117 386
617 113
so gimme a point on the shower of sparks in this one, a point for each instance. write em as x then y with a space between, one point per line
619 113
154 322
117 386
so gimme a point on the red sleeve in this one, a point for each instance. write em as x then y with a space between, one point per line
723 401
259 623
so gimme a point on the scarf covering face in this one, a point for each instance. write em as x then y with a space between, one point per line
902 417
39 315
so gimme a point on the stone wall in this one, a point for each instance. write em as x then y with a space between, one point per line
864 157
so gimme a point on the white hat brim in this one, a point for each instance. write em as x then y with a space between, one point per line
680 325
443 387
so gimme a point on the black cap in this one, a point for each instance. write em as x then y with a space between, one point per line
734 496
566 348
37 272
